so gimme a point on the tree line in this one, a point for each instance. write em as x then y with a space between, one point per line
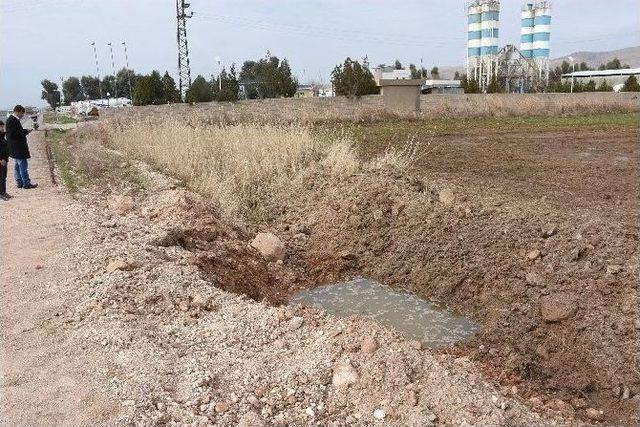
268 77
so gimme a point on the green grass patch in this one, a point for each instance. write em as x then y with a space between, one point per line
82 163
53 117
64 161
402 129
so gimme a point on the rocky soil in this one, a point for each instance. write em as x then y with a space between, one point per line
550 270
184 351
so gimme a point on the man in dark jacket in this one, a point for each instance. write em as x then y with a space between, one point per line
4 161
18 148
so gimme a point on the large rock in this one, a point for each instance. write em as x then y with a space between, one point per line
557 308
269 245
344 374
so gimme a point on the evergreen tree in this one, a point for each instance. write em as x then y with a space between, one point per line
435 73
631 85
72 90
604 87
200 91
90 87
109 86
50 93
493 86
398 65
418 73
149 90
268 78
169 89
287 85
226 87
123 77
352 80
469 85
590 86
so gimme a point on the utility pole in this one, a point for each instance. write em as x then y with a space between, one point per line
219 73
95 54
126 59
115 76
184 72
61 91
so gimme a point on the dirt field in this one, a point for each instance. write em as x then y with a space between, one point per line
527 226
539 243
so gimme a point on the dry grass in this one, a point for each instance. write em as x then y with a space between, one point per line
370 109
246 168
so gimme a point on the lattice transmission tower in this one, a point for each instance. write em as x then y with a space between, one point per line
184 71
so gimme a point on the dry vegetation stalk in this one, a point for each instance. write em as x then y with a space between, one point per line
246 167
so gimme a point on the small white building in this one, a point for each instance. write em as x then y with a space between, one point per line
389 72
83 107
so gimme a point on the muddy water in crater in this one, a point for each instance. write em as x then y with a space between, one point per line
405 312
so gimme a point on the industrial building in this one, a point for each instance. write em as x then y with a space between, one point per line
515 69
441 87
611 77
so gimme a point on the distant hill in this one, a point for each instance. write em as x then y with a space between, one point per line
629 55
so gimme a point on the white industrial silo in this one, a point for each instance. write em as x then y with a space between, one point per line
526 30
482 41
474 39
542 36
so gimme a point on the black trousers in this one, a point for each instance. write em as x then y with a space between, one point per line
3 178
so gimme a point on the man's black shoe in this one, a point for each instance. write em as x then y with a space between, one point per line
19 185
30 186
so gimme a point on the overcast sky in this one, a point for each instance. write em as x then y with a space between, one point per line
51 38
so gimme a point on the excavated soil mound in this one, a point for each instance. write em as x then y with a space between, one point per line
186 353
555 294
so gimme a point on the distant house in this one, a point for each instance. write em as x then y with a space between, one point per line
305 91
389 72
314 90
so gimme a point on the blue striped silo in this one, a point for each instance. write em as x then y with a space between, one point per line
527 18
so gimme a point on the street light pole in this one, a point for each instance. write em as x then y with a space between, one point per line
573 71
95 54
113 67
219 74
126 58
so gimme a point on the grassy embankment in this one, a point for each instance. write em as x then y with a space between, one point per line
53 117
82 162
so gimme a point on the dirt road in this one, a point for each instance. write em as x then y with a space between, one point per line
46 380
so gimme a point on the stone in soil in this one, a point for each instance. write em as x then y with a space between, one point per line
344 374
556 308
594 414
270 246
